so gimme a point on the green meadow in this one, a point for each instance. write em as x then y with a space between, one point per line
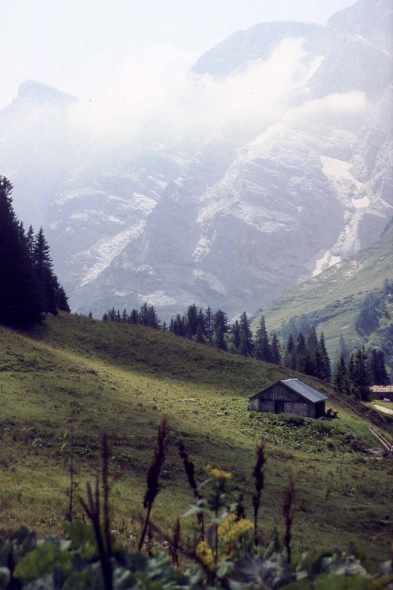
123 379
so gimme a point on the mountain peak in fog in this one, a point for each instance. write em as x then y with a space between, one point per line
37 91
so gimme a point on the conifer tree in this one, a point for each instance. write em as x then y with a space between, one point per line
289 349
246 343
312 341
340 374
134 317
199 337
62 300
144 315
209 325
300 344
262 345
235 337
43 266
275 350
361 376
152 318
192 320
219 337
326 371
19 292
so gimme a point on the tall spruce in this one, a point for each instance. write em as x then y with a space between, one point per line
43 266
275 350
340 374
20 302
246 343
28 285
326 371
361 379
262 345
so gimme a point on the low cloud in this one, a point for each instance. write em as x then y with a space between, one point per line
158 98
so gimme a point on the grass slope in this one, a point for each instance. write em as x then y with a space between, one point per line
112 373
333 298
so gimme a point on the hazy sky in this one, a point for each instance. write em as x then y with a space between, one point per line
79 45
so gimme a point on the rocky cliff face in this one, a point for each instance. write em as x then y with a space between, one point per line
234 220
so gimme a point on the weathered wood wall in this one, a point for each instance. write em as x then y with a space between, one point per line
292 403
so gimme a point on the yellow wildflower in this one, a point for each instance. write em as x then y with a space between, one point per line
219 474
232 533
205 554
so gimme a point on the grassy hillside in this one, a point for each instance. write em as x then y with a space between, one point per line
332 300
113 373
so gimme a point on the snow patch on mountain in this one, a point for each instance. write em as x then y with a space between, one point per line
361 203
107 249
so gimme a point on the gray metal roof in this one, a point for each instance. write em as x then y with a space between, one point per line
305 390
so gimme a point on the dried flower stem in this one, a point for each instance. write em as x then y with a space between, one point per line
259 477
106 490
174 546
288 512
92 510
189 468
153 474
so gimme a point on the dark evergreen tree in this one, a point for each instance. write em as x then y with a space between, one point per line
44 272
199 337
361 376
153 320
144 315
300 344
235 337
20 301
340 374
62 300
209 325
192 320
134 317
220 318
246 343
377 368
262 345
164 327
275 350
351 369
219 337
90 315
325 370
312 341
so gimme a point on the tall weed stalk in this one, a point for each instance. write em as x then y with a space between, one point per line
153 474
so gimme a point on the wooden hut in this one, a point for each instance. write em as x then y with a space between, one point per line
381 392
291 396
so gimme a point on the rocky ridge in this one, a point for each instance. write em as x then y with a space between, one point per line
234 220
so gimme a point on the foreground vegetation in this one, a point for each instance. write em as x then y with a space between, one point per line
120 379
227 550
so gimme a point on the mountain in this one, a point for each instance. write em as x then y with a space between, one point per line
273 195
37 148
333 300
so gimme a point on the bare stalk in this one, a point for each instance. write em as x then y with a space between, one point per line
259 477
174 546
153 474
189 468
288 512
92 509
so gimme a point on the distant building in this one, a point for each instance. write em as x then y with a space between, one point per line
382 392
290 396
